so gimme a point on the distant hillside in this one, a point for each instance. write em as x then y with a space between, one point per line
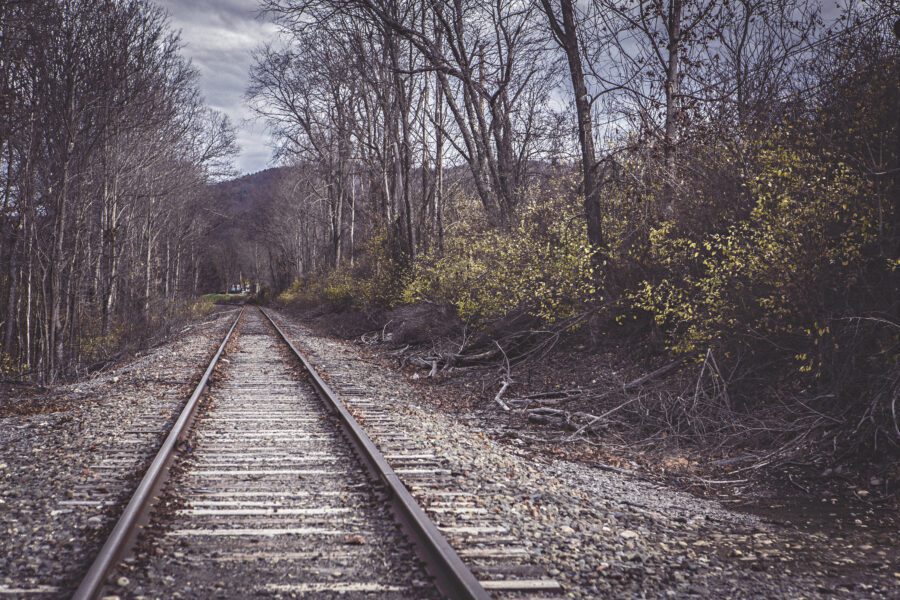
248 194
235 209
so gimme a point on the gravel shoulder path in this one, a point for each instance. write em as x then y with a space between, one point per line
604 533
66 472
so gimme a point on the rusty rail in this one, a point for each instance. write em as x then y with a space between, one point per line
452 577
125 530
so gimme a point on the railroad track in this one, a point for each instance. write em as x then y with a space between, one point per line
277 491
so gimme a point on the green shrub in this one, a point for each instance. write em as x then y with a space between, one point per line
10 368
542 265
202 307
779 271
379 274
292 294
95 346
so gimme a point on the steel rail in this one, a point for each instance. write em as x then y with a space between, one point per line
452 576
138 507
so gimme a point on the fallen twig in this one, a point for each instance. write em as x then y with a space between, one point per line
653 374
384 329
603 416
797 485
400 351
720 481
499 397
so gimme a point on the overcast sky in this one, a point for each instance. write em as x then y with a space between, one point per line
219 36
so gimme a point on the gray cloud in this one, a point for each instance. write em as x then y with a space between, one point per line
219 37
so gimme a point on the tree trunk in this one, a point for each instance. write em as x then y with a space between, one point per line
567 37
352 218
673 89
11 300
148 256
55 350
166 272
439 165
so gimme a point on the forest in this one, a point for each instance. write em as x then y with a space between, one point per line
706 188
106 149
714 183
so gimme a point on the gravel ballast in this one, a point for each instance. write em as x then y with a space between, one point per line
65 475
605 533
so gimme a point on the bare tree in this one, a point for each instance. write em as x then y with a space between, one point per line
103 116
564 25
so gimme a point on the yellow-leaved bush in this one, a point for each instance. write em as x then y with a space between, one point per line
338 288
9 367
774 272
94 346
541 265
376 278
201 308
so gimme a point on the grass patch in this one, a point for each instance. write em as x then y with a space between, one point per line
225 298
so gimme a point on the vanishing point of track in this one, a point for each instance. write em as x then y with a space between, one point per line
276 490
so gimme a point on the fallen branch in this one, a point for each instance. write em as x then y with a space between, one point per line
597 418
797 485
560 394
720 481
499 397
369 338
628 386
522 403
894 414
384 329
399 352
653 374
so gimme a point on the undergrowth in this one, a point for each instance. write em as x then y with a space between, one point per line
779 299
